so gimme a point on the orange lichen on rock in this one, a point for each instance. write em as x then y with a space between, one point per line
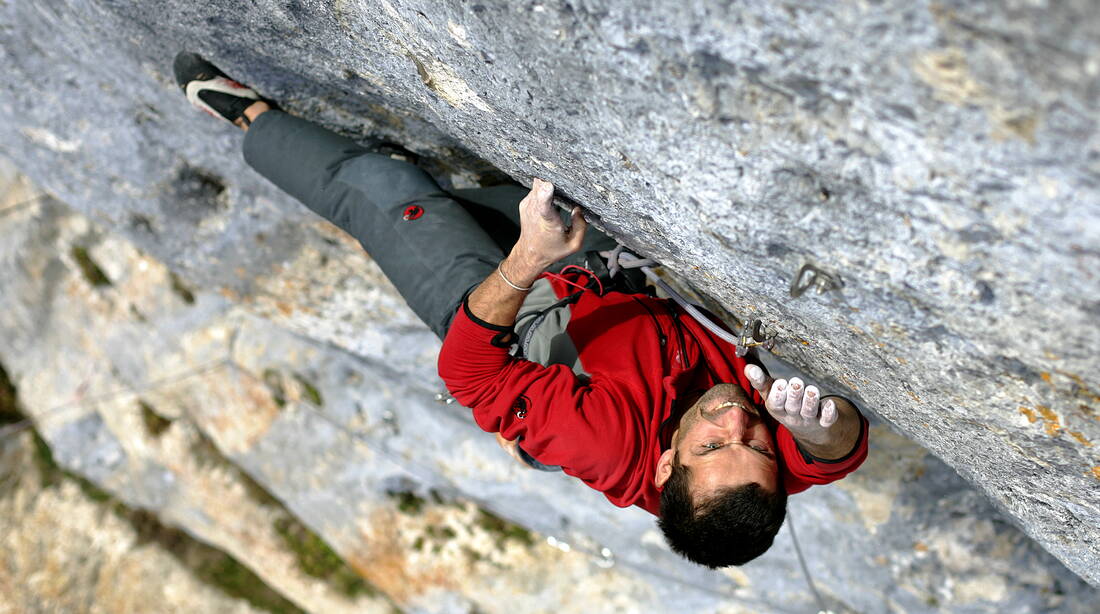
1051 424
1080 389
1079 436
385 562
1096 472
1050 419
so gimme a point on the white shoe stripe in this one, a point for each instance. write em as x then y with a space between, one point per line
217 84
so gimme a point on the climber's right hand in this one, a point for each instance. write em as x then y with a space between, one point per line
544 239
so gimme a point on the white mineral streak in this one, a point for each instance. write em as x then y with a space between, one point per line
50 140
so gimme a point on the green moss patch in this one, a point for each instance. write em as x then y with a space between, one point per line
88 267
236 580
408 502
10 410
309 391
314 556
436 537
504 530
205 453
155 424
209 564
258 493
51 474
440 533
317 559
181 290
274 383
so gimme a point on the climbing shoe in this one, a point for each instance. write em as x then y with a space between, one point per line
211 90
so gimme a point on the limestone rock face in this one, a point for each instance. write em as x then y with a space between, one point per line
232 426
63 551
940 161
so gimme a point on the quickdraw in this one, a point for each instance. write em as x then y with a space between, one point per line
752 333
810 276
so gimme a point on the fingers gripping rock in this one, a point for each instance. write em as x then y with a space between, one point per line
793 404
777 400
544 197
756 378
828 413
577 229
544 239
810 402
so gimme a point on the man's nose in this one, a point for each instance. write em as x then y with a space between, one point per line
739 424
734 419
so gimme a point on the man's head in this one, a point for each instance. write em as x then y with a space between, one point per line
721 502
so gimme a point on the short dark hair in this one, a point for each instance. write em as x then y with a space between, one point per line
731 527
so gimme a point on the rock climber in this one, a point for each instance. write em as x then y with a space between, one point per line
574 369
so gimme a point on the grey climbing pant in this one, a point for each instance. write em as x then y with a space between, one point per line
427 241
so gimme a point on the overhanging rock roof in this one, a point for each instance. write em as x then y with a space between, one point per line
941 160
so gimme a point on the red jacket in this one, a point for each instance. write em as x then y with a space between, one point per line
642 353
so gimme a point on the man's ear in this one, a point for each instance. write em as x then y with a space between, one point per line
664 467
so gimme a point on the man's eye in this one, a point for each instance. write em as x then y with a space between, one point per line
711 445
759 447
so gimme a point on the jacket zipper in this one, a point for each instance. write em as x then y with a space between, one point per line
656 323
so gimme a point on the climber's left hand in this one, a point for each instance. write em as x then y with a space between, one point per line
826 429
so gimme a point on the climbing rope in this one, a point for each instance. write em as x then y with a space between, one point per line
23 204
751 333
823 609
11 430
617 260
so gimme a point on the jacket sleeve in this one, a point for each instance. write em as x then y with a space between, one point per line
563 420
801 470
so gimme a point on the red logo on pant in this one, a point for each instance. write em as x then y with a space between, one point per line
412 212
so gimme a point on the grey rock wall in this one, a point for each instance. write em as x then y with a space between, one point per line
940 158
162 393
97 561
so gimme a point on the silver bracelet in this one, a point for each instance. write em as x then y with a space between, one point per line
514 286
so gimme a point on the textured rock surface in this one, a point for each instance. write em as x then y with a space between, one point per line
159 391
941 158
81 350
63 551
